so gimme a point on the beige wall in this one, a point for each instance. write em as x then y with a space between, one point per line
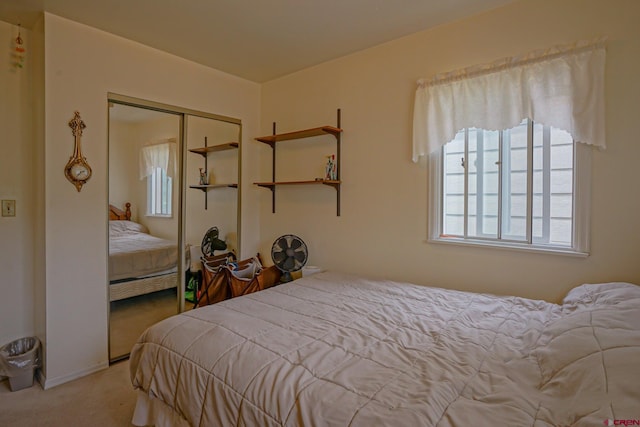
82 65
17 178
123 166
382 229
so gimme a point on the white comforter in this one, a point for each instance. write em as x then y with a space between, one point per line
336 350
134 253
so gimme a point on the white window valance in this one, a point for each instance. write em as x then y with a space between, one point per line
562 87
159 155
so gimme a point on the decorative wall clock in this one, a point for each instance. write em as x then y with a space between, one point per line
77 169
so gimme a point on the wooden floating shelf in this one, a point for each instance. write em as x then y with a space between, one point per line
307 133
331 183
212 186
203 151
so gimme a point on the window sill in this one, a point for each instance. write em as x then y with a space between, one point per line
510 246
159 216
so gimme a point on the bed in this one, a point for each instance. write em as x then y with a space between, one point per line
339 350
139 263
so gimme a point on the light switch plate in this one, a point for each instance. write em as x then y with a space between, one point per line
8 208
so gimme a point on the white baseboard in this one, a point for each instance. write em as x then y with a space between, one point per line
52 382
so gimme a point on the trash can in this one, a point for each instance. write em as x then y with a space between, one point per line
19 360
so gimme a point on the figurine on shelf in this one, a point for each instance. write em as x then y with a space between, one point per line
203 177
330 169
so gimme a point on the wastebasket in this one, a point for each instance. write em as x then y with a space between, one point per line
19 360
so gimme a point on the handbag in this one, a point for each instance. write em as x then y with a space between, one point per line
250 276
224 278
214 280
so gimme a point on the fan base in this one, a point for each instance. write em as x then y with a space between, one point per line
286 277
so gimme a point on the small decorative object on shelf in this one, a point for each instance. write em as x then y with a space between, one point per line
203 177
330 169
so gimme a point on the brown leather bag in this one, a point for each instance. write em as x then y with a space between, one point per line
250 277
222 280
214 280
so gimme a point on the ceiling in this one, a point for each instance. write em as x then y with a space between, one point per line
258 40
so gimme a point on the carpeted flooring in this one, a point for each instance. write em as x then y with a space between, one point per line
102 399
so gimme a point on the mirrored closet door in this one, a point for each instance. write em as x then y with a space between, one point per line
144 190
173 177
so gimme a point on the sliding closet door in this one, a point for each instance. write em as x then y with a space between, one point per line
179 171
144 174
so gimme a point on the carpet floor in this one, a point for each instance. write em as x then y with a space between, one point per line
102 399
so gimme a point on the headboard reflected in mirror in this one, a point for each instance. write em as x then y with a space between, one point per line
119 214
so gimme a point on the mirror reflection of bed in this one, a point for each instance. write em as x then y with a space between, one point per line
143 273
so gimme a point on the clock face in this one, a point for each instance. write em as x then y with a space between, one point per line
79 171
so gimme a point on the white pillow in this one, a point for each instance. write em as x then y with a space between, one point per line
600 293
119 228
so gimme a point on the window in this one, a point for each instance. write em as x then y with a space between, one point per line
157 164
514 188
159 186
524 187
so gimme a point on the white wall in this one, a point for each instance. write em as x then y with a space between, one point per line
17 178
82 65
382 229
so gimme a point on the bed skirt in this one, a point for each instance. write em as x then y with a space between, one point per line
133 288
153 412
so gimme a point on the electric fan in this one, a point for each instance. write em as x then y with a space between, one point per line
211 242
289 253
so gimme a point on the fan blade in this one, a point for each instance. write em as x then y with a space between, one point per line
289 264
278 257
295 244
282 242
219 245
299 256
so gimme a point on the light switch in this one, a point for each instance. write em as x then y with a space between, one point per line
8 208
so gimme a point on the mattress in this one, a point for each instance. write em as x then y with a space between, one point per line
133 253
336 350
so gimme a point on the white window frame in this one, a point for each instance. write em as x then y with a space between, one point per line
581 210
155 199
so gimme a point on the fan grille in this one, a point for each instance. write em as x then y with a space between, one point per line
211 242
289 253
